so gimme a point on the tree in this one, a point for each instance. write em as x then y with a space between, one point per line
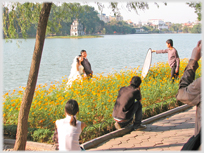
146 28
156 31
22 128
104 31
196 28
90 20
18 18
175 27
197 7
165 30
119 27
185 29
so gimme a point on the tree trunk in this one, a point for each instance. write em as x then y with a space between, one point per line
22 128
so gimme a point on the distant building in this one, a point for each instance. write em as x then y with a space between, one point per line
139 30
129 22
76 29
119 18
140 23
186 24
190 24
158 23
103 17
197 22
99 16
168 23
111 18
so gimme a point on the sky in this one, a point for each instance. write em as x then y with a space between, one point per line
174 11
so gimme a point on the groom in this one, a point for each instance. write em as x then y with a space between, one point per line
85 63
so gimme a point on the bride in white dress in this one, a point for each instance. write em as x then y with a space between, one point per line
77 70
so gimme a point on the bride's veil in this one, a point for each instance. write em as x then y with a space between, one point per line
73 70
74 74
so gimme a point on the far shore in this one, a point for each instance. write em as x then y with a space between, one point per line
75 37
96 36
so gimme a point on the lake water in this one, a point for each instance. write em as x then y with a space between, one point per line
112 52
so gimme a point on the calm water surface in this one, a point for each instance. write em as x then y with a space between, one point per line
112 52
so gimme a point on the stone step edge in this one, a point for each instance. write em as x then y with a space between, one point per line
94 142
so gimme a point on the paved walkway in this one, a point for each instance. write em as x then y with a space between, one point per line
167 134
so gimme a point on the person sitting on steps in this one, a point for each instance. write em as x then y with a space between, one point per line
128 105
68 129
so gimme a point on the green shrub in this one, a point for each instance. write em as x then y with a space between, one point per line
30 132
10 130
42 135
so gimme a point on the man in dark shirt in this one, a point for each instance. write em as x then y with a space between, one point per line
128 104
85 63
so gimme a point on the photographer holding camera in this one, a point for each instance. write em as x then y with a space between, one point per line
190 93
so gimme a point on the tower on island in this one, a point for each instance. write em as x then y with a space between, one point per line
76 28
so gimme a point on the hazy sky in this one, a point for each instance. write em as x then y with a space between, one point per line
176 12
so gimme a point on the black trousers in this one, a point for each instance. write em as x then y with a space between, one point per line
174 75
137 114
193 143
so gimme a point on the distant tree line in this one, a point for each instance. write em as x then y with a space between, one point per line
59 23
119 27
85 14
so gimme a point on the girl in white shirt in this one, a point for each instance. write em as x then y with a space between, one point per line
68 130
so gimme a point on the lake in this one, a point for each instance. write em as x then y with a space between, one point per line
107 54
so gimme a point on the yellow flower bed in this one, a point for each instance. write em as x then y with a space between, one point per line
96 97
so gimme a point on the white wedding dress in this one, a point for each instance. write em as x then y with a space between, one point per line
74 74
